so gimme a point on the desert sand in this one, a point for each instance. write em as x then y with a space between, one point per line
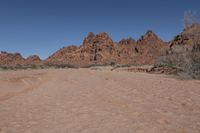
97 101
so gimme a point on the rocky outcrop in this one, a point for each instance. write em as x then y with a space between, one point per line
100 49
11 58
66 55
34 59
127 51
17 59
96 49
149 47
187 36
186 40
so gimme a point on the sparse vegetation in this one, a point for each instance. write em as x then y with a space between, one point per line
185 57
189 19
35 66
187 62
93 65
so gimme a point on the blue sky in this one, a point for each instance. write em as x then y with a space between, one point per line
43 26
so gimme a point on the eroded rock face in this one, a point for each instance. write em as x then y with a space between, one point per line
89 38
127 41
34 59
187 36
96 49
100 49
127 51
66 55
17 59
149 46
11 58
187 40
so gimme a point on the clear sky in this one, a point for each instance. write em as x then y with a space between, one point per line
43 26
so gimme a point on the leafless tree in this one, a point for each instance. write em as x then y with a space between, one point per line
186 55
189 19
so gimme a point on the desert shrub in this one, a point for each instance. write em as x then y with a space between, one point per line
182 58
112 63
122 65
36 66
189 19
192 64
31 66
2 67
59 66
67 66
95 65
185 56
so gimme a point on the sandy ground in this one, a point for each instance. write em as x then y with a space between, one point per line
97 101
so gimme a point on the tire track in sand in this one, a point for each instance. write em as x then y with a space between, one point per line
41 80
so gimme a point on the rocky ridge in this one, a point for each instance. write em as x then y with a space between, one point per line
101 49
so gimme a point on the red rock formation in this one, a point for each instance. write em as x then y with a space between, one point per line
34 59
99 49
10 58
64 56
149 47
17 59
96 49
127 51
187 39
